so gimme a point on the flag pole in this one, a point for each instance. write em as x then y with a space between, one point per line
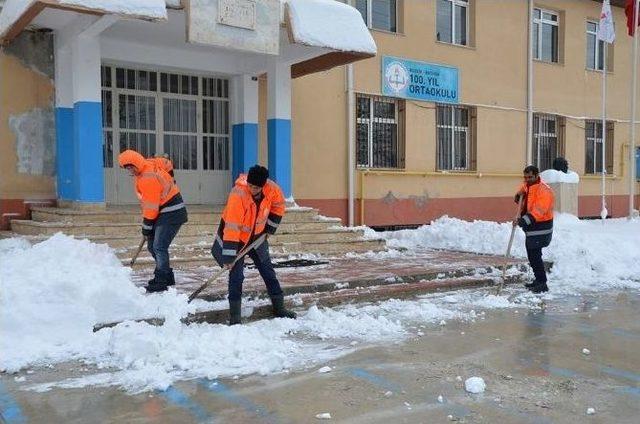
632 124
603 211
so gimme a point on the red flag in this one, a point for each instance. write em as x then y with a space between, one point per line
628 10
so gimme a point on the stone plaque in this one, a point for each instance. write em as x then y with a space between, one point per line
237 13
247 25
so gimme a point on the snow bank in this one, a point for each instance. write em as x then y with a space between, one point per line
587 255
550 176
331 24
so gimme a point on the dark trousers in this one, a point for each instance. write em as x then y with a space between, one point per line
158 245
535 260
262 260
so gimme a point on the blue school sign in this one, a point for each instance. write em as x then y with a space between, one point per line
419 80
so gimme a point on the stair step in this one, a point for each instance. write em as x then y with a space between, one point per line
197 214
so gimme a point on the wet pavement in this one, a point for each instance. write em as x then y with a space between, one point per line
532 361
347 271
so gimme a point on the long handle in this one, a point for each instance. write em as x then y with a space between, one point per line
135 255
508 253
241 254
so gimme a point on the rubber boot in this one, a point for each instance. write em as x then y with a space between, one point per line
159 283
539 288
172 278
279 309
235 308
531 284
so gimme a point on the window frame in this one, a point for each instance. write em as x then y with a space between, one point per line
454 127
462 3
590 169
537 55
537 135
598 52
371 119
369 20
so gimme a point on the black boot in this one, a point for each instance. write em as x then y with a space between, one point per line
172 278
278 307
159 282
235 307
539 288
531 284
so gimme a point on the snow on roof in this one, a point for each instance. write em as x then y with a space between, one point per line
13 10
329 24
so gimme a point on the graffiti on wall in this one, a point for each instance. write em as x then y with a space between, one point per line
35 141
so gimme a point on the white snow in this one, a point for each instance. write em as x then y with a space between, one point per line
324 416
324 370
440 399
330 24
551 176
581 250
591 411
586 351
147 9
475 385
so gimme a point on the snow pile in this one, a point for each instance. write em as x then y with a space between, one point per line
148 9
582 251
474 385
330 24
551 176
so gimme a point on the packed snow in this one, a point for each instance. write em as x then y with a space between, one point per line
147 9
330 24
475 385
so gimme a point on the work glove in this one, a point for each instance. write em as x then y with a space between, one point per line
525 220
147 227
516 198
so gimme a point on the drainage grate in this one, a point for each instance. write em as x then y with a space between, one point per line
295 263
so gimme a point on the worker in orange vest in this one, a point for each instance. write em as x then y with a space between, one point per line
536 219
255 206
163 212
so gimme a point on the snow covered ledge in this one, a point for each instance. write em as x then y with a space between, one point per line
565 187
335 27
16 15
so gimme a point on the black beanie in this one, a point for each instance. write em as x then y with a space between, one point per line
258 175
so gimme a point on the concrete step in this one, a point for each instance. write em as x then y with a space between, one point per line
198 257
197 214
27 227
127 246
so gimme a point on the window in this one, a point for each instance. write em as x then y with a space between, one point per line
455 146
452 21
545 35
593 147
152 112
378 125
595 48
547 140
379 14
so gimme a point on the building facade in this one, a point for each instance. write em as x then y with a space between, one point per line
415 159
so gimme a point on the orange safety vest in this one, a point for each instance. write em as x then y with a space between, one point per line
164 163
154 186
540 199
242 218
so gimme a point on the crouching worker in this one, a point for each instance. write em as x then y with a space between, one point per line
255 206
536 219
163 212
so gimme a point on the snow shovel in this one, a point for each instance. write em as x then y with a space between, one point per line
241 254
508 254
135 255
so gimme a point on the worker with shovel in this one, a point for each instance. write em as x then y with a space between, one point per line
163 212
254 210
536 219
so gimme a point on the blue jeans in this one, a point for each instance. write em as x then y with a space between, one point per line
158 245
262 260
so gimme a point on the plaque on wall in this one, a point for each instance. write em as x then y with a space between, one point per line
247 25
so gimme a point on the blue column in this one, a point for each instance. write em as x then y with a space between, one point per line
245 148
87 147
64 154
279 143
